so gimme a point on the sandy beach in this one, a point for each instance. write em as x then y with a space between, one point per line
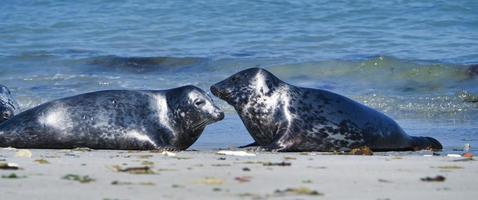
98 174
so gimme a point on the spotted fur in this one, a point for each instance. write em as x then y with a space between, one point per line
283 117
115 119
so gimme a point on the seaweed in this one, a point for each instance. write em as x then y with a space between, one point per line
78 178
283 164
298 191
438 178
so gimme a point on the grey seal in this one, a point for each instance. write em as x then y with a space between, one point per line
8 105
115 119
284 117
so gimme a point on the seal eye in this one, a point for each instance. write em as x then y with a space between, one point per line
199 102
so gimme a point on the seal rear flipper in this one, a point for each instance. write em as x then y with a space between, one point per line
254 144
422 143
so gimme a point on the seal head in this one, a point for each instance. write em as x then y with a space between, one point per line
191 110
284 117
238 89
8 105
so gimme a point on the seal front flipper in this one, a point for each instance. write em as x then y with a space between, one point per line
426 143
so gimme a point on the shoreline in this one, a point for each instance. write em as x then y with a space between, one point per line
108 174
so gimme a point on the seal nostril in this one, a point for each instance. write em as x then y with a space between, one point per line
214 90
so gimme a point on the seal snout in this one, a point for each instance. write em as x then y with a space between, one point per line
217 92
218 114
214 90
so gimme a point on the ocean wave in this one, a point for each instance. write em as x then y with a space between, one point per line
145 64
380 73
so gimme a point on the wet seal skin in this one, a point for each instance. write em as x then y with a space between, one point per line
283 117
115 119
8 105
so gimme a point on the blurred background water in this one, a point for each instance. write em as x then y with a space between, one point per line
414 60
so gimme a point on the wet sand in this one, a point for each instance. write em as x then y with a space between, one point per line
85 174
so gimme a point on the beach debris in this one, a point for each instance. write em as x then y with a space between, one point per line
78 178
463 160
121 183
438 178
221 165
317 167
147 183
23 153
246 169
451 155
12 176
251 196
181 158
42 161
443 189
82 149
216 189
168 153
177 186
235 153
383 181
72 155
289 158
466 147
282 164
166 170
450 167
468 155
134 170
131 183
363 151
250 162
145 156
307 181
243 179
147 163
9 166
222 158
211 181
298 191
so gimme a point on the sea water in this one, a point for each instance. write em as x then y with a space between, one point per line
413 60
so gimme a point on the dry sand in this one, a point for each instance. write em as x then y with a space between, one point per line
67 174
